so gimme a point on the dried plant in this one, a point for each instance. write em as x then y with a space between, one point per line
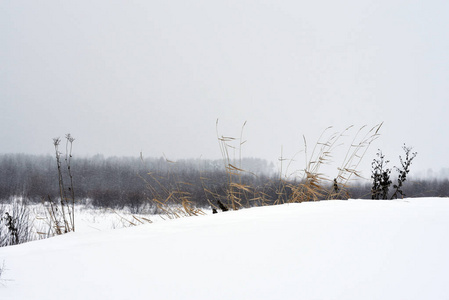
354 156
315 185
61 216
403 171
170 195
236 192
16 226
381 177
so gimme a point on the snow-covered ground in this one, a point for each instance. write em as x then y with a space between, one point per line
356 249
87 217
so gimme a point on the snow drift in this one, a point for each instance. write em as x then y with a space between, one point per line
355 249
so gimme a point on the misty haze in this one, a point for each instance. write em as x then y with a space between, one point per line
244 149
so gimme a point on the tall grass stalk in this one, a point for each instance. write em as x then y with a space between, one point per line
236 191
315 185
354 156
62 219
172 199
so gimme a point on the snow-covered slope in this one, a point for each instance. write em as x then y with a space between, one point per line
356 249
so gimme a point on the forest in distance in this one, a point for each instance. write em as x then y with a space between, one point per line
117 182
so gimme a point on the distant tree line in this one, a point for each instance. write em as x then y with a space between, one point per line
116 181
132 181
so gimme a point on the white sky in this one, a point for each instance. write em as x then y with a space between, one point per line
153 76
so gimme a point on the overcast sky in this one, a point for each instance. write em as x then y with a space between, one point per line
154 76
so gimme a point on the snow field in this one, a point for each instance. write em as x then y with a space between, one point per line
355 249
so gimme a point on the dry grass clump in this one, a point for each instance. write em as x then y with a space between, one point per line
310 185
315 185
170 195
238 194
354 155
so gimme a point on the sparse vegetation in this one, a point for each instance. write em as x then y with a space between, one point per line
187 187
403 171
169 195
16 224
238 194
381 175
61 217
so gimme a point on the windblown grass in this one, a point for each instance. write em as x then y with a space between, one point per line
309 183
170 195
238 194
175 196
315 185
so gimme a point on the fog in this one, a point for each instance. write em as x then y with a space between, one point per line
125 77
